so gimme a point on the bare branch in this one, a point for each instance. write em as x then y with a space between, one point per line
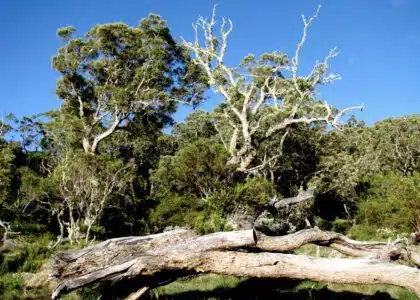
268 95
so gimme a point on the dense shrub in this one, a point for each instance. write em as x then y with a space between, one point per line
29 255
197 188
254 192
11 286
392 202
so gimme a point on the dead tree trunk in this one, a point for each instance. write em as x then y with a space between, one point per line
136 262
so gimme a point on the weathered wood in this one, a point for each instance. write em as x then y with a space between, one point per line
114 251
301 197
334 240
279 265
181 252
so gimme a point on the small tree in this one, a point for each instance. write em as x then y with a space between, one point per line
262 96
85 185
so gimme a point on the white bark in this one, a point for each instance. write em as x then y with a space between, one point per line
281 95
151 257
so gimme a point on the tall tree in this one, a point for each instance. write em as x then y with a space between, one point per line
117 73
262 96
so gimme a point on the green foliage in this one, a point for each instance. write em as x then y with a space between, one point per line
350 157
210 222
28 256
199 169
174 211
11 286
392 202
11 160
115 75
66 32
7 172
363 232
254 192
196 188
341 225
197 125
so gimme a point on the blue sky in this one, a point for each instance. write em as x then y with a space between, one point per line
379 42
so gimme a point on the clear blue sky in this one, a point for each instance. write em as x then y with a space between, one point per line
379 41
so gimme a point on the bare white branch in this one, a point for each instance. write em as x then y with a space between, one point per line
262 95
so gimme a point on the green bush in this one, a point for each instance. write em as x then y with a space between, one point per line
392 202
31 228
254 192
191 187
174 210
341 225
29 255
363 232
208 224
10 286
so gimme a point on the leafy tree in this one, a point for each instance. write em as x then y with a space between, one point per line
199 169
117 73
9 178
396 145
194 179
261 96
86 186
197 188
294 158
11 158
119 87
350 157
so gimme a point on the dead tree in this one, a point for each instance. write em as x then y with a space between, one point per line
124 265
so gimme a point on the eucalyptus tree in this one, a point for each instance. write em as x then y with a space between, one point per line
116 73
119 86
261 96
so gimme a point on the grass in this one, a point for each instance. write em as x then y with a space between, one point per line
203 283
24 270
10 286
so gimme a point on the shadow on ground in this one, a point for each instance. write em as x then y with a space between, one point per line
271 289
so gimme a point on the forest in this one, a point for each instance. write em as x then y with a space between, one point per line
273 173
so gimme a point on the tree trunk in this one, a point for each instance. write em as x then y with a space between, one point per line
124 265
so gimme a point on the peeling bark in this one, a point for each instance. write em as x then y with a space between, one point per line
147 260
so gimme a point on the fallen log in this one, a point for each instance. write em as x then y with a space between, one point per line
149 261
